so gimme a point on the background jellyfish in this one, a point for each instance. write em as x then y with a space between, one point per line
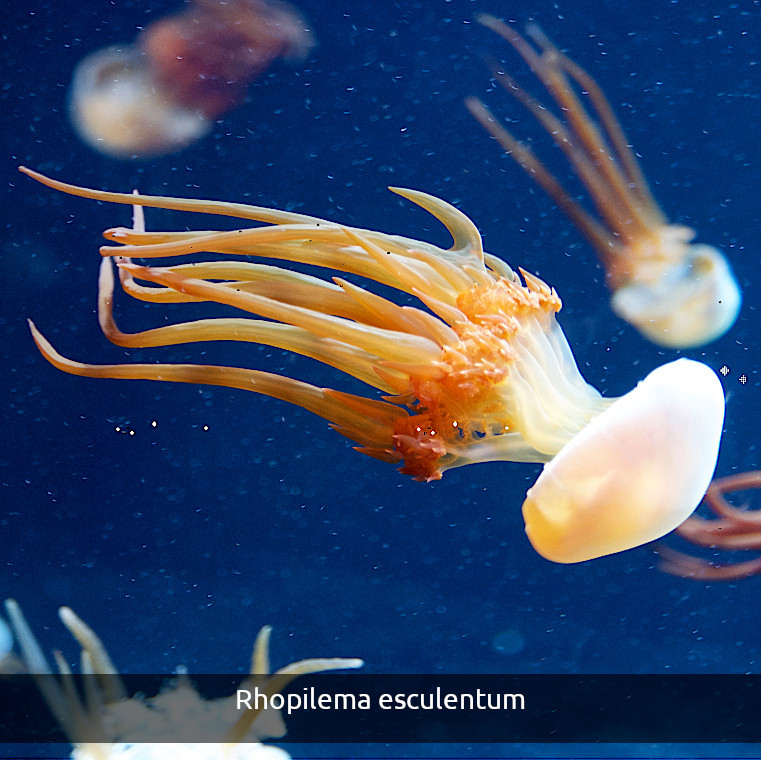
109 723
674 292
731 528
182 73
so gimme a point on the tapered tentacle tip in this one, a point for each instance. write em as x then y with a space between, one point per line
35 175
116 233
486 19
45 347
403 192
34 331
635 472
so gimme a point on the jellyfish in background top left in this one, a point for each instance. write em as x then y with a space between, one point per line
184 71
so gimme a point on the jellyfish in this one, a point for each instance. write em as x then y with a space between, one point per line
676 293
732 528
183 72
111 724
480 372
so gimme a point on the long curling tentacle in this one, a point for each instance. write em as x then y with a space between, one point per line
349 359
388 344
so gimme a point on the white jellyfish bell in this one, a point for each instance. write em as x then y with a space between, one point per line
636 471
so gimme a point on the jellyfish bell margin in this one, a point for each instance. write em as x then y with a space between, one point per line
483 373
690 301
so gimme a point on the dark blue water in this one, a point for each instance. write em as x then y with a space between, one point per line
176 542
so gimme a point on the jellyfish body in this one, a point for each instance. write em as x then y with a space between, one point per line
112 724
483 374
117 109
676 293
182 73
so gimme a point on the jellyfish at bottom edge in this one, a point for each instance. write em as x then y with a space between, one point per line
111 724
674 292
484 374
183 72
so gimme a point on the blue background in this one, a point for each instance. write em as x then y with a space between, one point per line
177 543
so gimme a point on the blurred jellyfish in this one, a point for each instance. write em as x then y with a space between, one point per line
183 72
109 723
676 293
730 528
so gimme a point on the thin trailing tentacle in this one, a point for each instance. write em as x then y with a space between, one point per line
597 149
637 182
368 427
223 208
533 166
